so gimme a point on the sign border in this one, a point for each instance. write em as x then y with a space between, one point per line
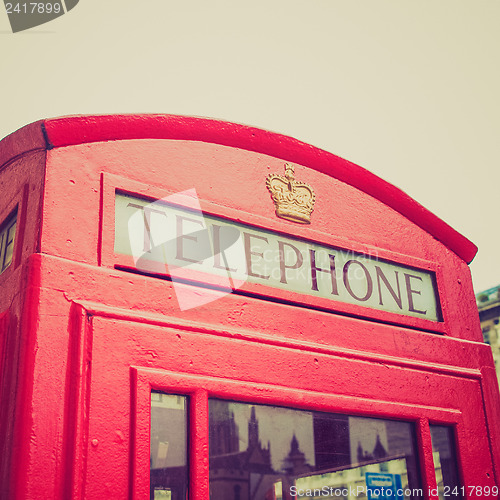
111 184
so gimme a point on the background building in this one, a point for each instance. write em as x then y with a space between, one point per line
488 304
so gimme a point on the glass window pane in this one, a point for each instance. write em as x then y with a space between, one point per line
168 469
270 453
7 235
445 462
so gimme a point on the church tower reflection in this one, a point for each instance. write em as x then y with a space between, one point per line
235 474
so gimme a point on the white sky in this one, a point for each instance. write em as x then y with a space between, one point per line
406 89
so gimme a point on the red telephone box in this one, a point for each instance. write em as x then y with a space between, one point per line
196 309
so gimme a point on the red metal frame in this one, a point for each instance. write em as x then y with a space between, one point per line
460 414
200 389
85 340
68 131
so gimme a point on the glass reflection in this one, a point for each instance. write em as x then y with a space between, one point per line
262 452
168 460
445 462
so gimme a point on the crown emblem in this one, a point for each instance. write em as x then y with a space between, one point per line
293 200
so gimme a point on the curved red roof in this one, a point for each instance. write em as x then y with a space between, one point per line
71 130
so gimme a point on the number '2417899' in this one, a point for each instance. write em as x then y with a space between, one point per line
34 8
480 491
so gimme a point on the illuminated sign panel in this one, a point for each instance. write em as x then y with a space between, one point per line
170 239
7 235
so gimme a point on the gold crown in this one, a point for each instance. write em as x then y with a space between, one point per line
293 200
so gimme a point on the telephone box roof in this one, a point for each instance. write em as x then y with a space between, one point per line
73 130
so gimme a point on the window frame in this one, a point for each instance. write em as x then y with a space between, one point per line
199 389
5 229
